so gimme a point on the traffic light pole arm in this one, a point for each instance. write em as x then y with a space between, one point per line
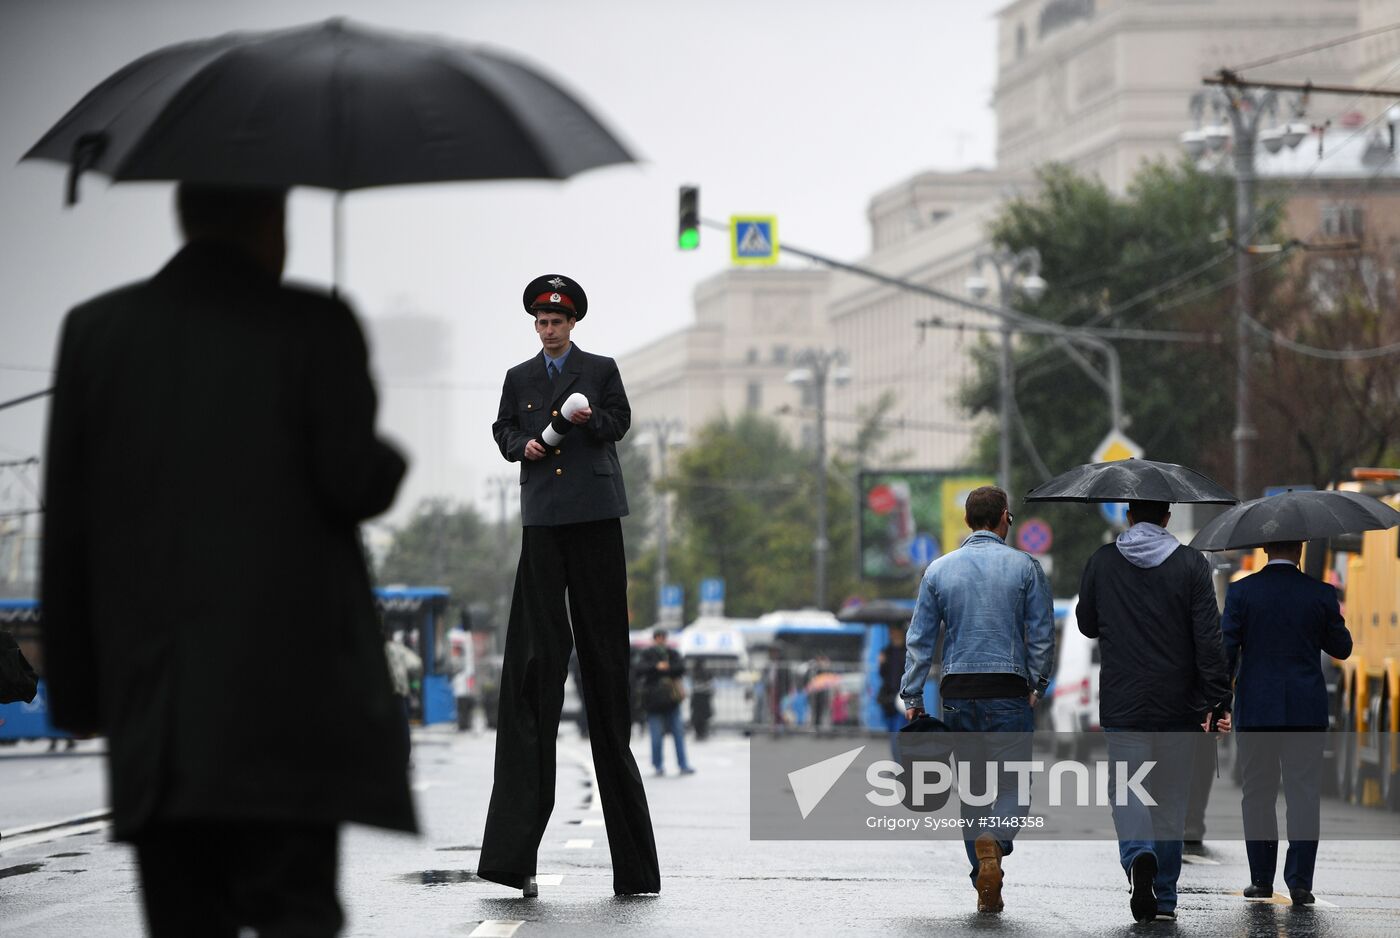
1020 321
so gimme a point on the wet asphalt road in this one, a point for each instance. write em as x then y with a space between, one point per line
715 880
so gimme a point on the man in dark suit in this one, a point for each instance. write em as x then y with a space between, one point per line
570 589
1277 623
211 452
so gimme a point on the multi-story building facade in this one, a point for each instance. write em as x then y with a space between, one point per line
1103 85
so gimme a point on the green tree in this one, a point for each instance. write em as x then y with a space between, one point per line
1155 258
449 544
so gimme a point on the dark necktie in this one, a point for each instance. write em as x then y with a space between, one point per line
553 372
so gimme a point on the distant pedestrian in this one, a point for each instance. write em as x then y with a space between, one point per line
991 604
702 699
570 590
1150 602
891 673
1278 623
663 688
404 666
211 454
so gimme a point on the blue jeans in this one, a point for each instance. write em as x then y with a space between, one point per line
660 723
1143 828
1004 715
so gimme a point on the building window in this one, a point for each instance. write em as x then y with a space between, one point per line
780 354
752 357
1342 220
1020 41
754 398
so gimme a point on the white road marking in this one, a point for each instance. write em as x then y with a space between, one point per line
578 843
549 879
98 815
496 928
57 833
578 756
1279 898
591 822
1199 861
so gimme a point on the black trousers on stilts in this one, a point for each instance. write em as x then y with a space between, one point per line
586 559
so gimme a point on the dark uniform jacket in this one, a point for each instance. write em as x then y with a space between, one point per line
1159 639
206 603
580 479
1277 624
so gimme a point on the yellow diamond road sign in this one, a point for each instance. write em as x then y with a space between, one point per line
1114 447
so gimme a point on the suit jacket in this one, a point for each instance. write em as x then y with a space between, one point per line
1277 623
580 479
206 602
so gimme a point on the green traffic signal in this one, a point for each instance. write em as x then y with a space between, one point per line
688 235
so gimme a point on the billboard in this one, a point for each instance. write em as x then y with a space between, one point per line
910 517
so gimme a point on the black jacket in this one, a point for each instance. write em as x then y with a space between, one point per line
1159 639
581 478
655 694
206 604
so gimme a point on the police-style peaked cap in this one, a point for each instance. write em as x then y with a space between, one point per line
551 291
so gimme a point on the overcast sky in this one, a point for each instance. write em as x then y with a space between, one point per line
799 108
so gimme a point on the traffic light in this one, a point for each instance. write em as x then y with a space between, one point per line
688 236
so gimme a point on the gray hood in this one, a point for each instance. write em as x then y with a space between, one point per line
1147 545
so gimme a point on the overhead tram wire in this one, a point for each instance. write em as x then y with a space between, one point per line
1327 44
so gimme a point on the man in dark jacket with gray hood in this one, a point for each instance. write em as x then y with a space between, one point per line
1149 601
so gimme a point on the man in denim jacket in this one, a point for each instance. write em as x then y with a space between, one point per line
992 603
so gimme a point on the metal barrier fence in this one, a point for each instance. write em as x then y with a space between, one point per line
786 694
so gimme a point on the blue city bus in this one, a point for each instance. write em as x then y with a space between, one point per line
20 617
877 618
420 612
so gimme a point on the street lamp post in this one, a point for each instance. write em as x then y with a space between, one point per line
814 368
1244 109
663 432
1018 272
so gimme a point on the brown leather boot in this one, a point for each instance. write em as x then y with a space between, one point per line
988 874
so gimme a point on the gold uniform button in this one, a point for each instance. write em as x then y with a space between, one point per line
529 406
558 472
558 451
554 413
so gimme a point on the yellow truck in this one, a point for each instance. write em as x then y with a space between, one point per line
1367 701
1365 706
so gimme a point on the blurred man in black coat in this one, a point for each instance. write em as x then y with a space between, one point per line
1277 625
570 589
211 451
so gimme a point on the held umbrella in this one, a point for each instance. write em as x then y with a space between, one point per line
1132 480
1295 516
332 105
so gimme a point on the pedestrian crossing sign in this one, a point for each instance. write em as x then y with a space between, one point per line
753 239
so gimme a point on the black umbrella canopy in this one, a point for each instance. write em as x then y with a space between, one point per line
332 105
1129 480
1295 516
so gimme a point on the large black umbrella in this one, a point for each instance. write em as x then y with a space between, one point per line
330 105
1295 516
1129 480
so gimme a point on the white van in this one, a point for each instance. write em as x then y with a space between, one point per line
1074 708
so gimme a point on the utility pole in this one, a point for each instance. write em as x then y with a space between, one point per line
500 486
814 368
663 432
1244 108
1019 272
